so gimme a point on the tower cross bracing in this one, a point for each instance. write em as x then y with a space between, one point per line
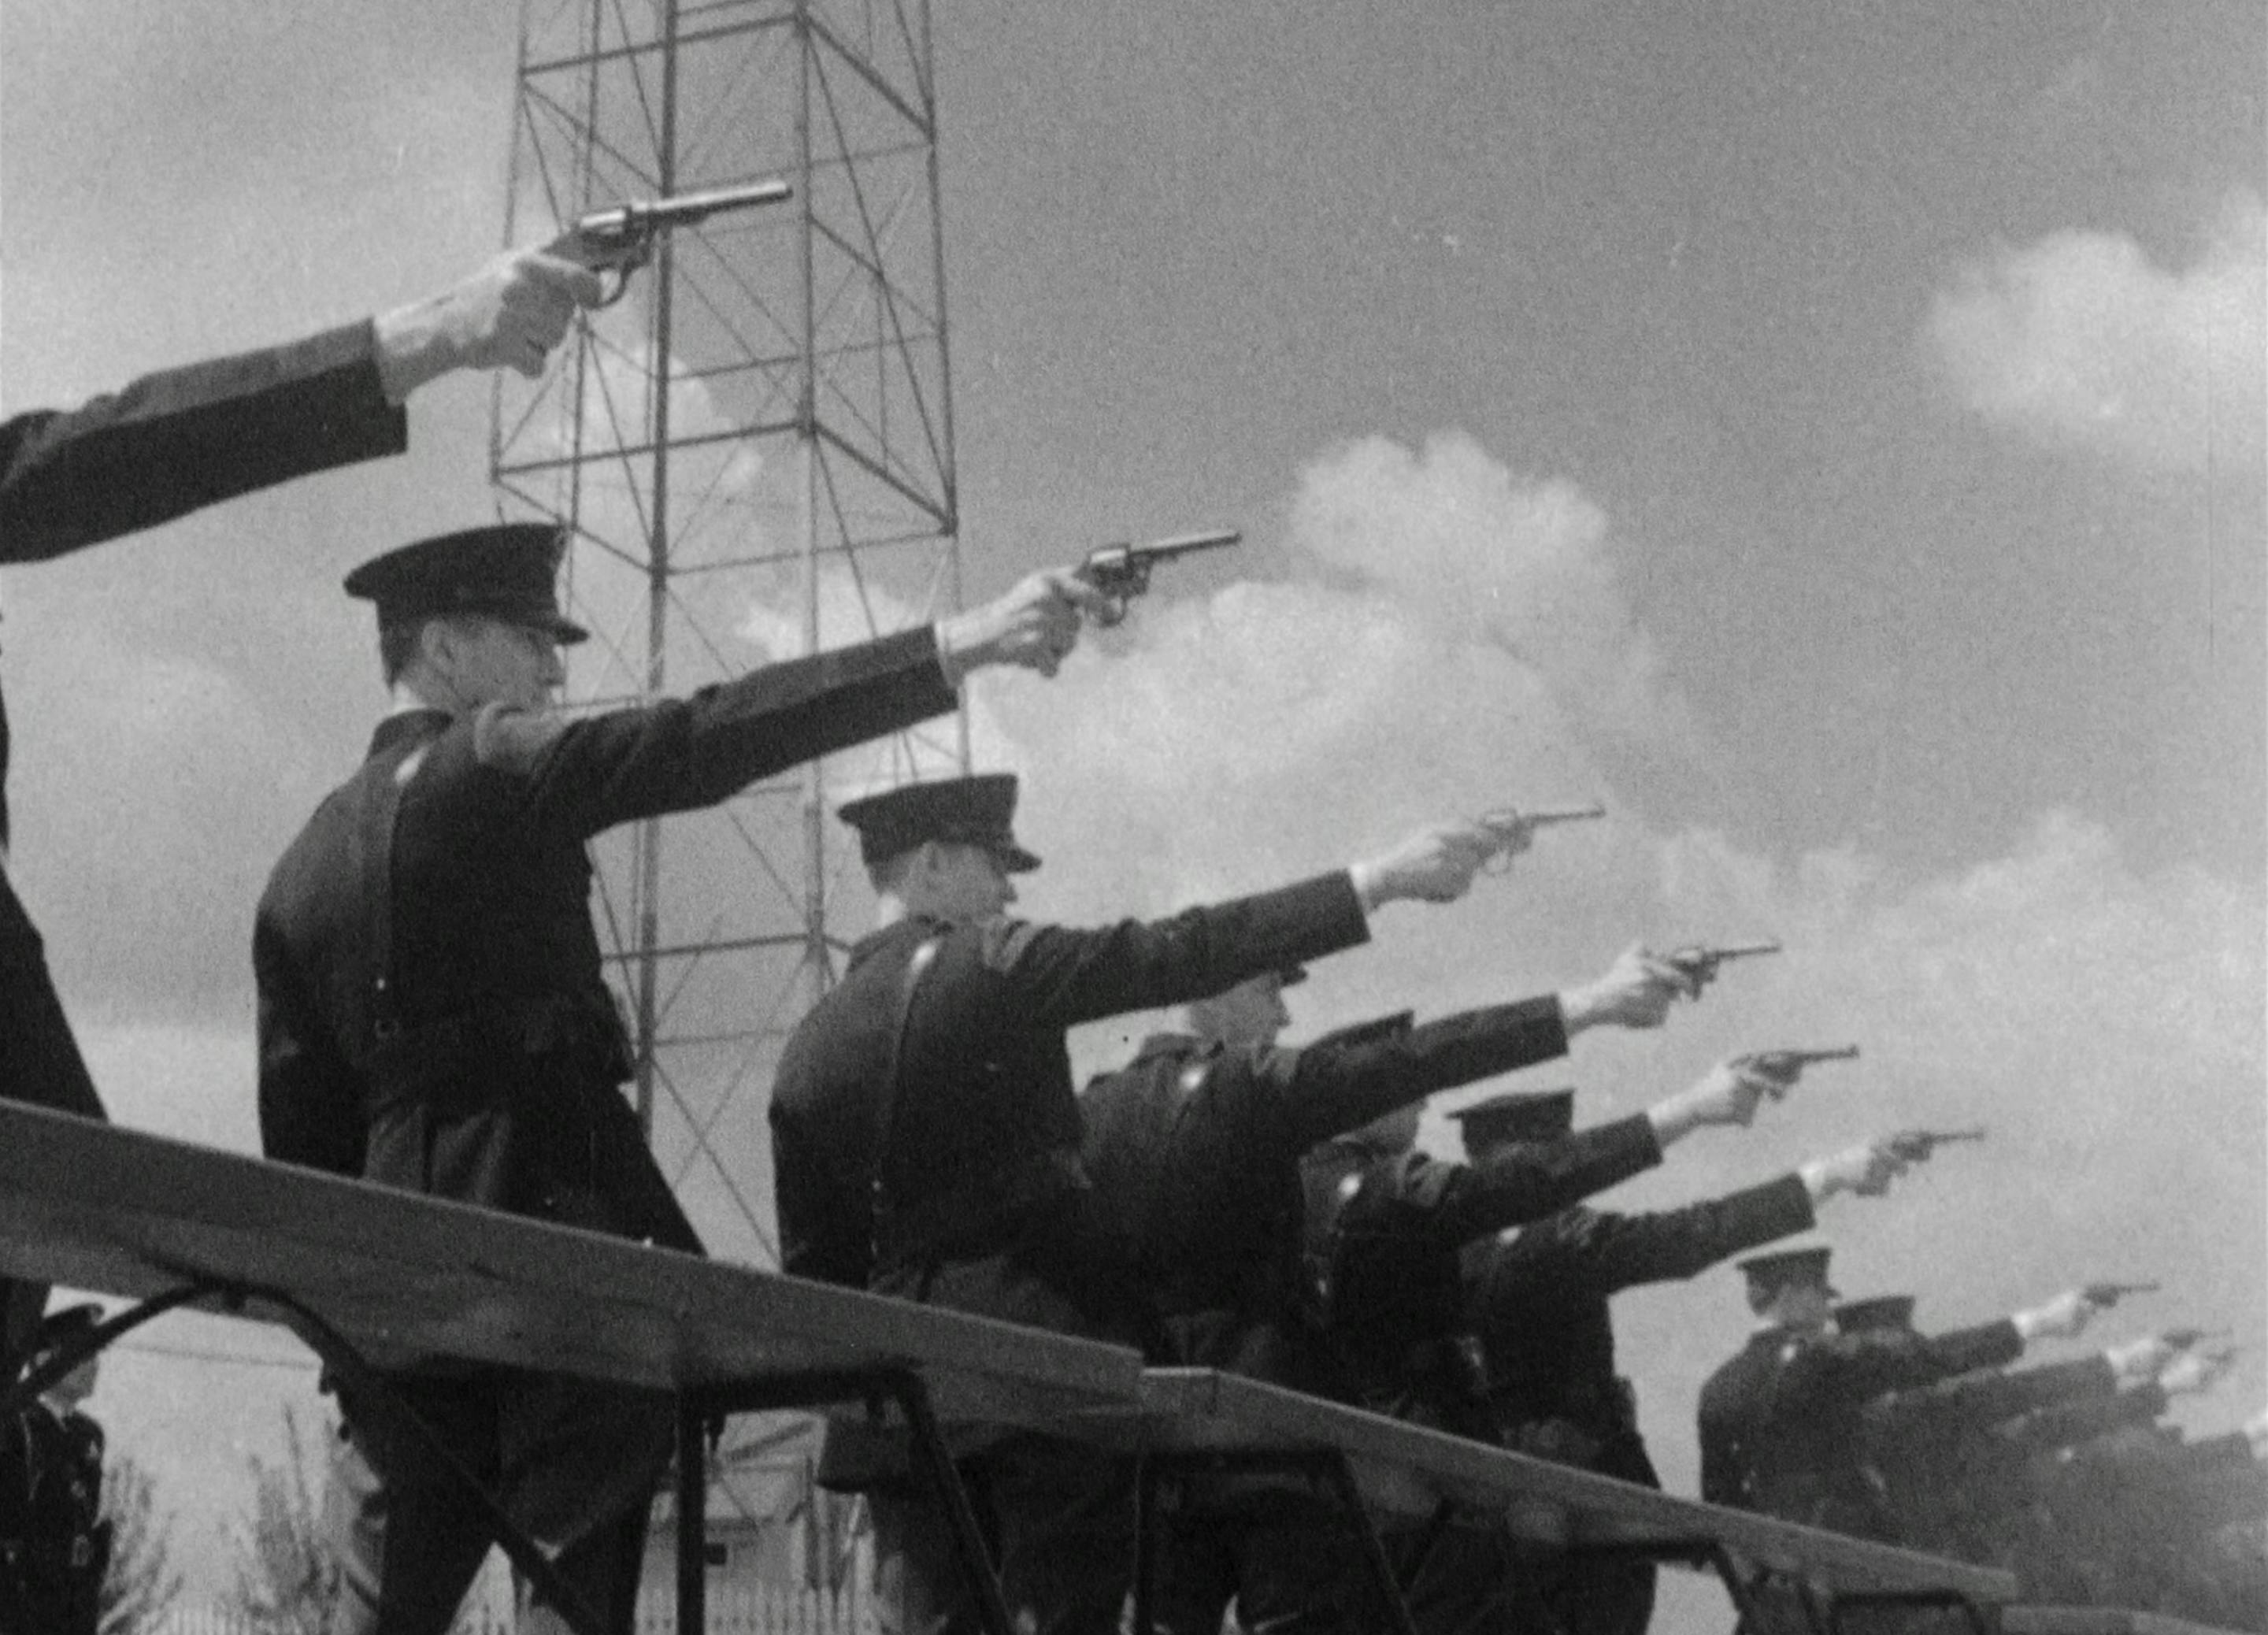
752 452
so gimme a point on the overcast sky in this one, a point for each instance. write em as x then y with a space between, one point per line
1837 446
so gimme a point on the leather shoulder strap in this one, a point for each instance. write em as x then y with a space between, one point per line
369 860
886 1110
1189 1082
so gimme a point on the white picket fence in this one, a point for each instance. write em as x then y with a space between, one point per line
762 1609
733 1609
219 1621
201 1621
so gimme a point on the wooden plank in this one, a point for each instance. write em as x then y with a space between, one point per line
2037 1620
1406 1470
407 1278
124 1213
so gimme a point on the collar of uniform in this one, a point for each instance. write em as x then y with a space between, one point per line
406 724
1182 1045
917 929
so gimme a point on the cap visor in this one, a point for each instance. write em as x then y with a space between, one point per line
1015 859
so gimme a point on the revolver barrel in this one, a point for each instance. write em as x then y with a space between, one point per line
638 220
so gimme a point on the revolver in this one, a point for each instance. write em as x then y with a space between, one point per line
1515 825
2108 1294
1701 958
1122 572
1914 1146
620 239
1801 1059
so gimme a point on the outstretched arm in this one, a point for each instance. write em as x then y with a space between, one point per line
1342 1082
1527 1183
1060 977
180 439
1601 1253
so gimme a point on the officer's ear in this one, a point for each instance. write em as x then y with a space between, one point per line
439 642
910 874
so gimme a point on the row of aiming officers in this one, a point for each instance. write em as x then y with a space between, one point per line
432 1015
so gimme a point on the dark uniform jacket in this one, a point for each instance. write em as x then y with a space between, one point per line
1194 1152
976 1197
487 1070
1782 1423
2138 1521
2083 1416
168 444
54 1544
1939 1456
1538 1300
1384 1240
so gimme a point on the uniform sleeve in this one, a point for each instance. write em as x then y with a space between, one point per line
1597 1253
1344 1080
1866 1366
1987 1345
1061 977
2082 1420
1984 1399
2212 1484
1529 1182
678 755
311 1102
183 438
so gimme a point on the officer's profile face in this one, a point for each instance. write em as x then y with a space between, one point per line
1803 1306
963 884
1250 1015
76 1386
496 661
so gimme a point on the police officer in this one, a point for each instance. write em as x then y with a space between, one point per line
1934 1451
432 1014
1538 1298
2141 1518
1386 1229
926 1141
54 1544
2030 1453
183 439
1782 1422
1194 1152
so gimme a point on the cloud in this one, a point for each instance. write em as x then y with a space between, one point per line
2080 343
2104 1023
2103 1026
1452 534
143 851
729 501
1221 745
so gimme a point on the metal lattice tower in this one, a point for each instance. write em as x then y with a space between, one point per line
753 451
